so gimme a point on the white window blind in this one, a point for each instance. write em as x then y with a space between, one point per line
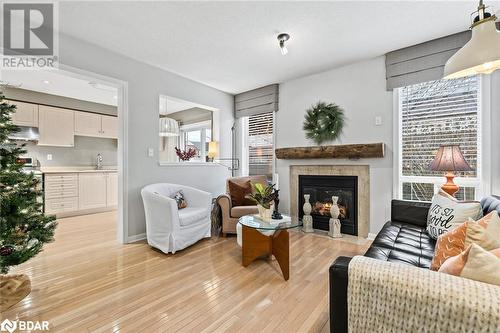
260 144
432 114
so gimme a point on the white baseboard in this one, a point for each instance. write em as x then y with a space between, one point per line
371 236
135 238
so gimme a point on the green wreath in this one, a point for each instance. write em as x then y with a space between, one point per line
324 122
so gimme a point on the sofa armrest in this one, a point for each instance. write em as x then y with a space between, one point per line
338 294
225 203
391 296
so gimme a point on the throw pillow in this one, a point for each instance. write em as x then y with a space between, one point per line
238 193
447 213
475 263
179 198
482 232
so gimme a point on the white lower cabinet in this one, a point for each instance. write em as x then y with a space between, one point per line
112 189
71 193
91 190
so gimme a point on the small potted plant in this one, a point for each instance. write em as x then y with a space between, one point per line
264 196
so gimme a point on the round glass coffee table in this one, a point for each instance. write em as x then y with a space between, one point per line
263 239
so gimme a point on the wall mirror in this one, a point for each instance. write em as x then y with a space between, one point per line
187 132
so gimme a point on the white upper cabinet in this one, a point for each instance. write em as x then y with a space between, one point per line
56 127
109 126
96 125
26 114
87 124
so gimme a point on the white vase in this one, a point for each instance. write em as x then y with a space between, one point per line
307 208
334 209
265 213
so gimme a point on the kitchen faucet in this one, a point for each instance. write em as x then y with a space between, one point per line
98 162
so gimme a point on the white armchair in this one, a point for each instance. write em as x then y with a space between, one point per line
169 228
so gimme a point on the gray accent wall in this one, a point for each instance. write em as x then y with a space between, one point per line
145 84
82 154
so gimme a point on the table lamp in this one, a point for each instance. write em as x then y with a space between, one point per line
212 150
449 158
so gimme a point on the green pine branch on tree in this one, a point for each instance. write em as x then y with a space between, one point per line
23 226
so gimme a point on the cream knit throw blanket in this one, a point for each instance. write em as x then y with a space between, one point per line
389 297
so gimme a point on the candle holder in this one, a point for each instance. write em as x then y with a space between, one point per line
276 214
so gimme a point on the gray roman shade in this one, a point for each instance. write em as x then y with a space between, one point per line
257 101
422 62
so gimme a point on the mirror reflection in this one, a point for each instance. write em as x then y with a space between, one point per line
185 131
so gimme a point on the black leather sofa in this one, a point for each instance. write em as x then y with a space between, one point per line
403 239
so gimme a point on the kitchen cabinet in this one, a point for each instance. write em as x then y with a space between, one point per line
56 127
75 193
112 189
87 124
61 193
96 125
109 127
26 114
92 190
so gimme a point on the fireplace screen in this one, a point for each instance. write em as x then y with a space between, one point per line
321 189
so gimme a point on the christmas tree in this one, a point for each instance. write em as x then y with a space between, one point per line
23 226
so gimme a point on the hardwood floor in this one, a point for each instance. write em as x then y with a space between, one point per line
86 282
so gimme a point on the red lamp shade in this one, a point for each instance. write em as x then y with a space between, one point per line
449 158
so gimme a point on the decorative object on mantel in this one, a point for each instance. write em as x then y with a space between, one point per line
307 220
352 151
276 214
185 155
324 122
481 54
334 230
449 158
264 197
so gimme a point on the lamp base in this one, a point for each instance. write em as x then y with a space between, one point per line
450 187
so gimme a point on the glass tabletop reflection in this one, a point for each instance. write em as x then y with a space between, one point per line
255 222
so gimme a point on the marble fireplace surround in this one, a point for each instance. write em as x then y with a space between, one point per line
361 171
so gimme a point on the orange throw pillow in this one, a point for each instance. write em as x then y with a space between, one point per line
453 242
475 263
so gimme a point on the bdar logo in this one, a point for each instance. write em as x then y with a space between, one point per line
8 325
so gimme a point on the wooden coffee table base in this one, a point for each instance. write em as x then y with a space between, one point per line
256 245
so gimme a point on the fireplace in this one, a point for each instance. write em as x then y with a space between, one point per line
321 189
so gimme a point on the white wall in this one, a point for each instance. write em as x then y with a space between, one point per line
145 84
495 132
360 89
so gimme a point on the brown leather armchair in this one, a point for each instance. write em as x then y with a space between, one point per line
230 213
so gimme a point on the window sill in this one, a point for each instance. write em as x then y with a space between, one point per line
189 164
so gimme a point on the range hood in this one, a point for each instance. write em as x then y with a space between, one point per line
25 133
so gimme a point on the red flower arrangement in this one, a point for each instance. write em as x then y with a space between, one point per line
185 155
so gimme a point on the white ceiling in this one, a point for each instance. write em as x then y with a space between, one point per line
232 46
61 84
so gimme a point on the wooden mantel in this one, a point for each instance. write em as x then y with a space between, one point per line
353 151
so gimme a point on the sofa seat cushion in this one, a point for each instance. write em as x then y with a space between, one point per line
403 243
192 215
240 211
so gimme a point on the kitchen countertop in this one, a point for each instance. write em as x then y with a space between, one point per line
77 169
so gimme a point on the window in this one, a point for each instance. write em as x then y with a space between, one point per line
432 114
196 136
258 144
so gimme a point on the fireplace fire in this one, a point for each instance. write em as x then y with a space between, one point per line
321 189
